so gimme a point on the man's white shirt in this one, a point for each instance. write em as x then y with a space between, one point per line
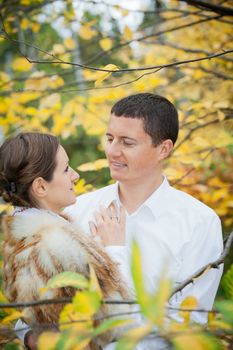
175 232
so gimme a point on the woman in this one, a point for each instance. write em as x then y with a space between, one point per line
40 242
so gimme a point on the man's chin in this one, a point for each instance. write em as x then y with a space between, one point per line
116 177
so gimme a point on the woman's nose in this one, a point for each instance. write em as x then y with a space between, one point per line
74 176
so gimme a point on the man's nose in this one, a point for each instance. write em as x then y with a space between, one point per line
113 149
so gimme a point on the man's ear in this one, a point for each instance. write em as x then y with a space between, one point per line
39 188
166 148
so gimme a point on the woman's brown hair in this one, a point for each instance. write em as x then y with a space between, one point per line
23 158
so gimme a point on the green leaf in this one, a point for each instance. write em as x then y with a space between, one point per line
73 340
152 306
227 282
191 340
93 283
226 309
158 304
64 337
110 324
142 296
67 279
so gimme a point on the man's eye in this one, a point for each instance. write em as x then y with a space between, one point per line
126 143
109 140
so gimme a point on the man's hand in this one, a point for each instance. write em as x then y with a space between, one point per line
109 226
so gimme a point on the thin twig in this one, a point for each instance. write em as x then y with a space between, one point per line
214 265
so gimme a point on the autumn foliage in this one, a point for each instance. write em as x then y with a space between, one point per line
64 64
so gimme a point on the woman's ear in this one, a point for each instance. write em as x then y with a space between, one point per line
39 188
166 148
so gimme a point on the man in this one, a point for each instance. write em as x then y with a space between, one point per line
171 227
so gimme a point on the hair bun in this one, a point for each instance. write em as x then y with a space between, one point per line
6 188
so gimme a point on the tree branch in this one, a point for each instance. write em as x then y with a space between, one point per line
214 265
189 50
222 10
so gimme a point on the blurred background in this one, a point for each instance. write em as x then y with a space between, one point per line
64 63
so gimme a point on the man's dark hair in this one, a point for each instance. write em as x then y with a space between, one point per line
160 117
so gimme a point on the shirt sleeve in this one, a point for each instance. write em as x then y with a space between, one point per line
205 247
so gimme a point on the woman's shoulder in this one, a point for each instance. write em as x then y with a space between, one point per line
32 222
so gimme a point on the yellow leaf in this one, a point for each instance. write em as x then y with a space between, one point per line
188 303
58 49
82 187
48 341
93 283
143 296
221 115
25 2
223 139
68 314
82 343
28 96
222 104
86 32
5 208
201 141
124 12
105 75
35 27
50 101
86 303
217 324
94 166
3 299
31 111
128 34
4 77
24 23
56 81
14 316
67 279
21 65
60 123
69 43
105 44
194 341
158 305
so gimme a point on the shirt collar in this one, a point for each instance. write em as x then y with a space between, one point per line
154 202
112 195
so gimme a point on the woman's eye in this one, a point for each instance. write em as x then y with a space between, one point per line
67 168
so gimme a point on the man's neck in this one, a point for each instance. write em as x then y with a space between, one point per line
133 195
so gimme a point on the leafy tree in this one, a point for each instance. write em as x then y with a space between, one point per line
64 63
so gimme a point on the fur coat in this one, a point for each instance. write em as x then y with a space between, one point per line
40 244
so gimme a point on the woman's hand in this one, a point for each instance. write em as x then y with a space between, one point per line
109 226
